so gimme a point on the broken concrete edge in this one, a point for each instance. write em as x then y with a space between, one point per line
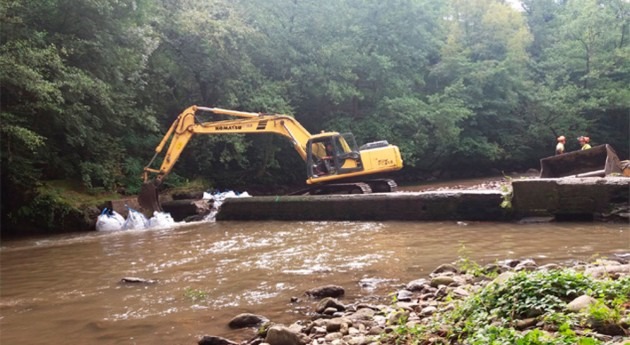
569 197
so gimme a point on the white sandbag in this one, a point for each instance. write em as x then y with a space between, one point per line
161 220
109 221
229 194
135 220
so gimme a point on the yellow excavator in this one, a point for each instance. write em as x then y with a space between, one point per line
330 157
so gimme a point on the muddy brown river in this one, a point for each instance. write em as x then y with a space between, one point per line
66 289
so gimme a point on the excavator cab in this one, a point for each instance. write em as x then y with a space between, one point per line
332 154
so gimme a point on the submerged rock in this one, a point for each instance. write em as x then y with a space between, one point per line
326 291
136 280
446 268
247 320
329 302
213 340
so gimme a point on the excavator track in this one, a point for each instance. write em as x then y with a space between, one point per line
382 185
336 188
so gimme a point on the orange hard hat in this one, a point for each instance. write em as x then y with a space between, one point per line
562 138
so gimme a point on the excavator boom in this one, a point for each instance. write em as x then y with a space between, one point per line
347 161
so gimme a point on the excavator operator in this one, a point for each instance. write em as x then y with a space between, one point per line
329 159
325 160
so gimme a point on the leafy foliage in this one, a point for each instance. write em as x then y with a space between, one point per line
487 317
87 87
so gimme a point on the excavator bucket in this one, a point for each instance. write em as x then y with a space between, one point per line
149 198
597 161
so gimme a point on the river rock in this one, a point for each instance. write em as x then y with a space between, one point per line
442 280
503 277
411 306
600 271
282 335
607 328
607 262
332 337
509 262
329 302
376 330
549 267
580 303
395 317
460 292
136 280
360 340
404 295
427 311
526 265
525 323
363 314
336 325
445 268
329 311
493 268
416 285
247 320
326 291
214 340
623 258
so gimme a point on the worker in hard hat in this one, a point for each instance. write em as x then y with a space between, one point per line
584 142
560 146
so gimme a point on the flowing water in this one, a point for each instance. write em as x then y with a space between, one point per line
66 289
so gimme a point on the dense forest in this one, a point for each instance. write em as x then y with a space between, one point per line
463 87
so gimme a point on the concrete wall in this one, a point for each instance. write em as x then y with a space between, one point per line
568 196
564 199
461 205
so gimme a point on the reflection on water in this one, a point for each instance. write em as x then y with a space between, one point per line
67 287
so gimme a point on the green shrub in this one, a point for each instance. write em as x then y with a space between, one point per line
488 316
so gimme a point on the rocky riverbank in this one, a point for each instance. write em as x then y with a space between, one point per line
508 302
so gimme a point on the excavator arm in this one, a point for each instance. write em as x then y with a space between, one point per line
186 126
